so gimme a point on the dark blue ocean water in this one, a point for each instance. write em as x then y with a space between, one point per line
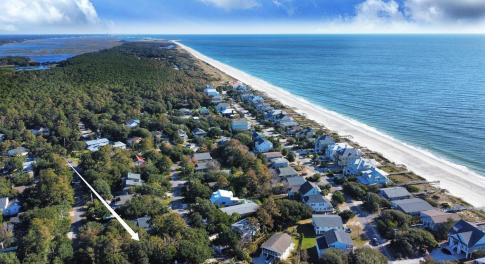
428 91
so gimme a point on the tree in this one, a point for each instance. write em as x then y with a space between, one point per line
413 242
194 246
373 202
9 258
334 256
337 198
391 220
367 255
291 156
103 188
356 190
54 189
346 215
170 224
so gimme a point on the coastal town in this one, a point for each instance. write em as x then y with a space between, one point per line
236 178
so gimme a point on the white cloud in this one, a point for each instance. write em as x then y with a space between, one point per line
233 4
432 11
286 5
22 14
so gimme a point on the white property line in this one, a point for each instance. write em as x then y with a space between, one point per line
132 233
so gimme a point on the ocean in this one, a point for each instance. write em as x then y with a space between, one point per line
425 90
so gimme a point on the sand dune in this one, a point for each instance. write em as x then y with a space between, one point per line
458 180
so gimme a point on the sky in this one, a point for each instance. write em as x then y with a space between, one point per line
241 16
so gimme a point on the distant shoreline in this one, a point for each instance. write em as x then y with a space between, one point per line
458 180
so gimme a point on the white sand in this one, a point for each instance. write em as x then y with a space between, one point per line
457 179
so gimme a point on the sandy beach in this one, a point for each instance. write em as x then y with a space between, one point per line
458 180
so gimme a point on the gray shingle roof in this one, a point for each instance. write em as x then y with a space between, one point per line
332 236
295 180
306 187
413 205
278 242
202 156
287 171
242 209
395 192
330 221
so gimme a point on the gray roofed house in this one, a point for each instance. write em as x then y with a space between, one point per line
143 222
334 239
395 193
278 246
243 209
245 229
287 172
433 218
20 151
466 238
200 157
323 223
318 203
240 125
272 155
295 181
309 188
412 206
131 180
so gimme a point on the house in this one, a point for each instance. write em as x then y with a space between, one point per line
132 123
395 193
9 208
16 152
337 239
199 133
294 183
202 157
238 125
143 222
307 133
221 107
356 167
224 198
322 223
245 208
374 176
132 180
42 131
139 161
245 229
278 246
28 166
412 206
287 172
96 144
342 153
318 203
262 145
268 156
119 144
322 142
203 110
133 141
466 238
279 163
182 135
309 188
431 219
210 91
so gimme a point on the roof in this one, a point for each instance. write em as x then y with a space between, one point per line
222 193
279 160
98 141
317 198
295 180
272 155
413 205
202 156
242 209
330 221
143 222
439 216
278 242
395 192
3 202
287 171
306 187
469 233
332 236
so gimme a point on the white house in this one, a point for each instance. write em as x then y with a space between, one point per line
322 142
356 167
322 223
95 144
240 125
318 203
132 123
374 176
342 153
278 246
337 239
16 152
224 198
210 91
119 144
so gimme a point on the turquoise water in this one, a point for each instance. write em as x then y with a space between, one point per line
428 91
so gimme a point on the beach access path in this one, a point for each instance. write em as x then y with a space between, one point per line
458 180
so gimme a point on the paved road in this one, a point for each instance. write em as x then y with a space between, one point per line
78 210
177 199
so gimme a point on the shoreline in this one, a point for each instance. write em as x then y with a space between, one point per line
458 180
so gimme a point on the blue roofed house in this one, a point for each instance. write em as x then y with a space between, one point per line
210 91
132 123
9 208
309 188
96 144
337 239
466 238
221 107
224 198
322 142
374 176
238 125
262 145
